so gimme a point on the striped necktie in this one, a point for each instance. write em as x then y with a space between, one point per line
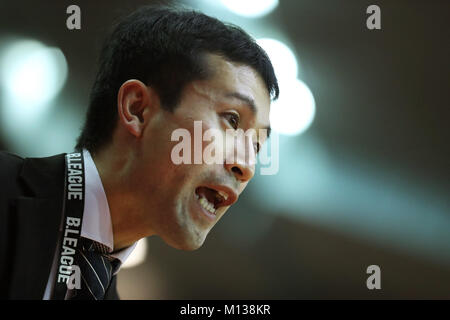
97 269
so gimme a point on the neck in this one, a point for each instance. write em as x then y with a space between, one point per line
112 168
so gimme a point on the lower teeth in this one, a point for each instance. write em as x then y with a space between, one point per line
207 205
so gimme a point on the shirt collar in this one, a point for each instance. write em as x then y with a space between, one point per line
97 223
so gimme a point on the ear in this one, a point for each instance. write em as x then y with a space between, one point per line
136 104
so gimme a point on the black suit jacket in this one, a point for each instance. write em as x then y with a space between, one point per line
31 200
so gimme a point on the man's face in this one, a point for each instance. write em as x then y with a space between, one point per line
175 197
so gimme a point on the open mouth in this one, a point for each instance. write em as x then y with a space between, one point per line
212 199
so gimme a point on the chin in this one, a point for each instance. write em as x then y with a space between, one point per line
185 247
188 243
190 247
193 243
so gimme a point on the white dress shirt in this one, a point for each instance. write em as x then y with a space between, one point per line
96 223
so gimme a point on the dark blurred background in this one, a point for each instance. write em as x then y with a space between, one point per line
363 181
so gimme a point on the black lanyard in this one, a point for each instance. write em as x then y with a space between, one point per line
73 207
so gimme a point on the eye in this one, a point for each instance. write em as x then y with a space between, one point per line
233 119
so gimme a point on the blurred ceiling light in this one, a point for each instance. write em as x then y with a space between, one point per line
281 56
32 74
251 8
138 255
295 108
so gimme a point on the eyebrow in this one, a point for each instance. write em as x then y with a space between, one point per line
249 102
246 99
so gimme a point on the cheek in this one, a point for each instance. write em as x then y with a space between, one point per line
203 135
182 180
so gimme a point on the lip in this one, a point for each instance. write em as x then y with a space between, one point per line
232 195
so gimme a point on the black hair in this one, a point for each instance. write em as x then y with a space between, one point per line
163 47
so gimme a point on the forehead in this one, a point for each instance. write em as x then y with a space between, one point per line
232 82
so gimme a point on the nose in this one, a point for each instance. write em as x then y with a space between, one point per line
240 160
242 172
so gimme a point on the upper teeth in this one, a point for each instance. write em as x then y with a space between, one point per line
206 204
224 195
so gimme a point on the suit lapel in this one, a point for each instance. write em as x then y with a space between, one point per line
37 220
36 239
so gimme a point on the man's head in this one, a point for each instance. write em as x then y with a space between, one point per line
160 70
